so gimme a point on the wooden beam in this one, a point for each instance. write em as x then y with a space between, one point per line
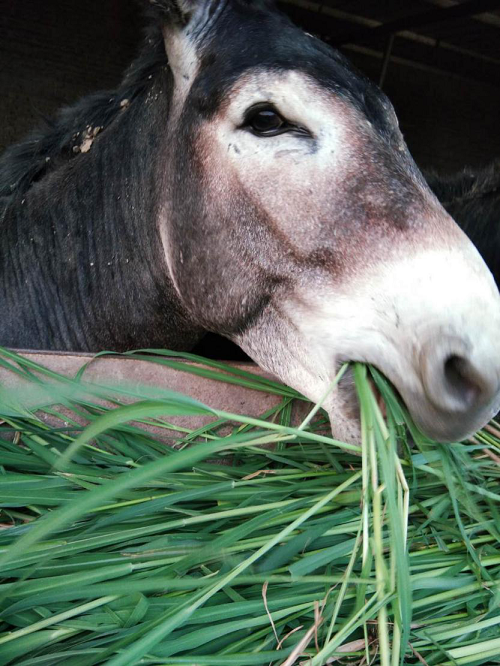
417 52
412 21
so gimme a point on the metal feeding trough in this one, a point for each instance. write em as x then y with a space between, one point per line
116 370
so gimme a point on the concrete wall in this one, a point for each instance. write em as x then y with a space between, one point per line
54 51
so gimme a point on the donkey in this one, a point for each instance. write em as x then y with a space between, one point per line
244 179
472 197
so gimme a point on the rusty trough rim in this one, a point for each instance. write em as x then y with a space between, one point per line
121 369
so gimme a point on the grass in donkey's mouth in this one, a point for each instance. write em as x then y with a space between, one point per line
118 550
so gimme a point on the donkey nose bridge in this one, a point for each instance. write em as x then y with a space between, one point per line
458 377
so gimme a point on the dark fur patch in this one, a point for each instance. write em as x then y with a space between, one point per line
81 258
472 197
52 144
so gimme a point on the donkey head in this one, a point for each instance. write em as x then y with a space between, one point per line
296 223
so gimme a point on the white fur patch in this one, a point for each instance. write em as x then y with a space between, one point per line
387 315
183 61
291 94
283 173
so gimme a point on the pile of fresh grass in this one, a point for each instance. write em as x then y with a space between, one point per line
118 550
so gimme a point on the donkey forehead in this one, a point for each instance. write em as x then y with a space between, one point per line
301 98
241 42
345 141
291 91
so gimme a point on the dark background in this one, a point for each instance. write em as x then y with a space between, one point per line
443 73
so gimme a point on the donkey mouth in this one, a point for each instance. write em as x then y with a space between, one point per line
435 422
348 396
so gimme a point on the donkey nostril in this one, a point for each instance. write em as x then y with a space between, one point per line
461 380
456 379
460 385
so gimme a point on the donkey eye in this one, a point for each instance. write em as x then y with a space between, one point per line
265 121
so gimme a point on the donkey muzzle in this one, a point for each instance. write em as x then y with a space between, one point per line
461 382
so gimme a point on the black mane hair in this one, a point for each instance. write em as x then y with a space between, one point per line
472 197
466 185
56 141
56 217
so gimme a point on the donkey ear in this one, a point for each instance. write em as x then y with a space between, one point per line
179 19
178 12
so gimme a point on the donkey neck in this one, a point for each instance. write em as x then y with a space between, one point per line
82 263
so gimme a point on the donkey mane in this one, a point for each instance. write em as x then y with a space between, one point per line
473 199
61 139
466 185
68 202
